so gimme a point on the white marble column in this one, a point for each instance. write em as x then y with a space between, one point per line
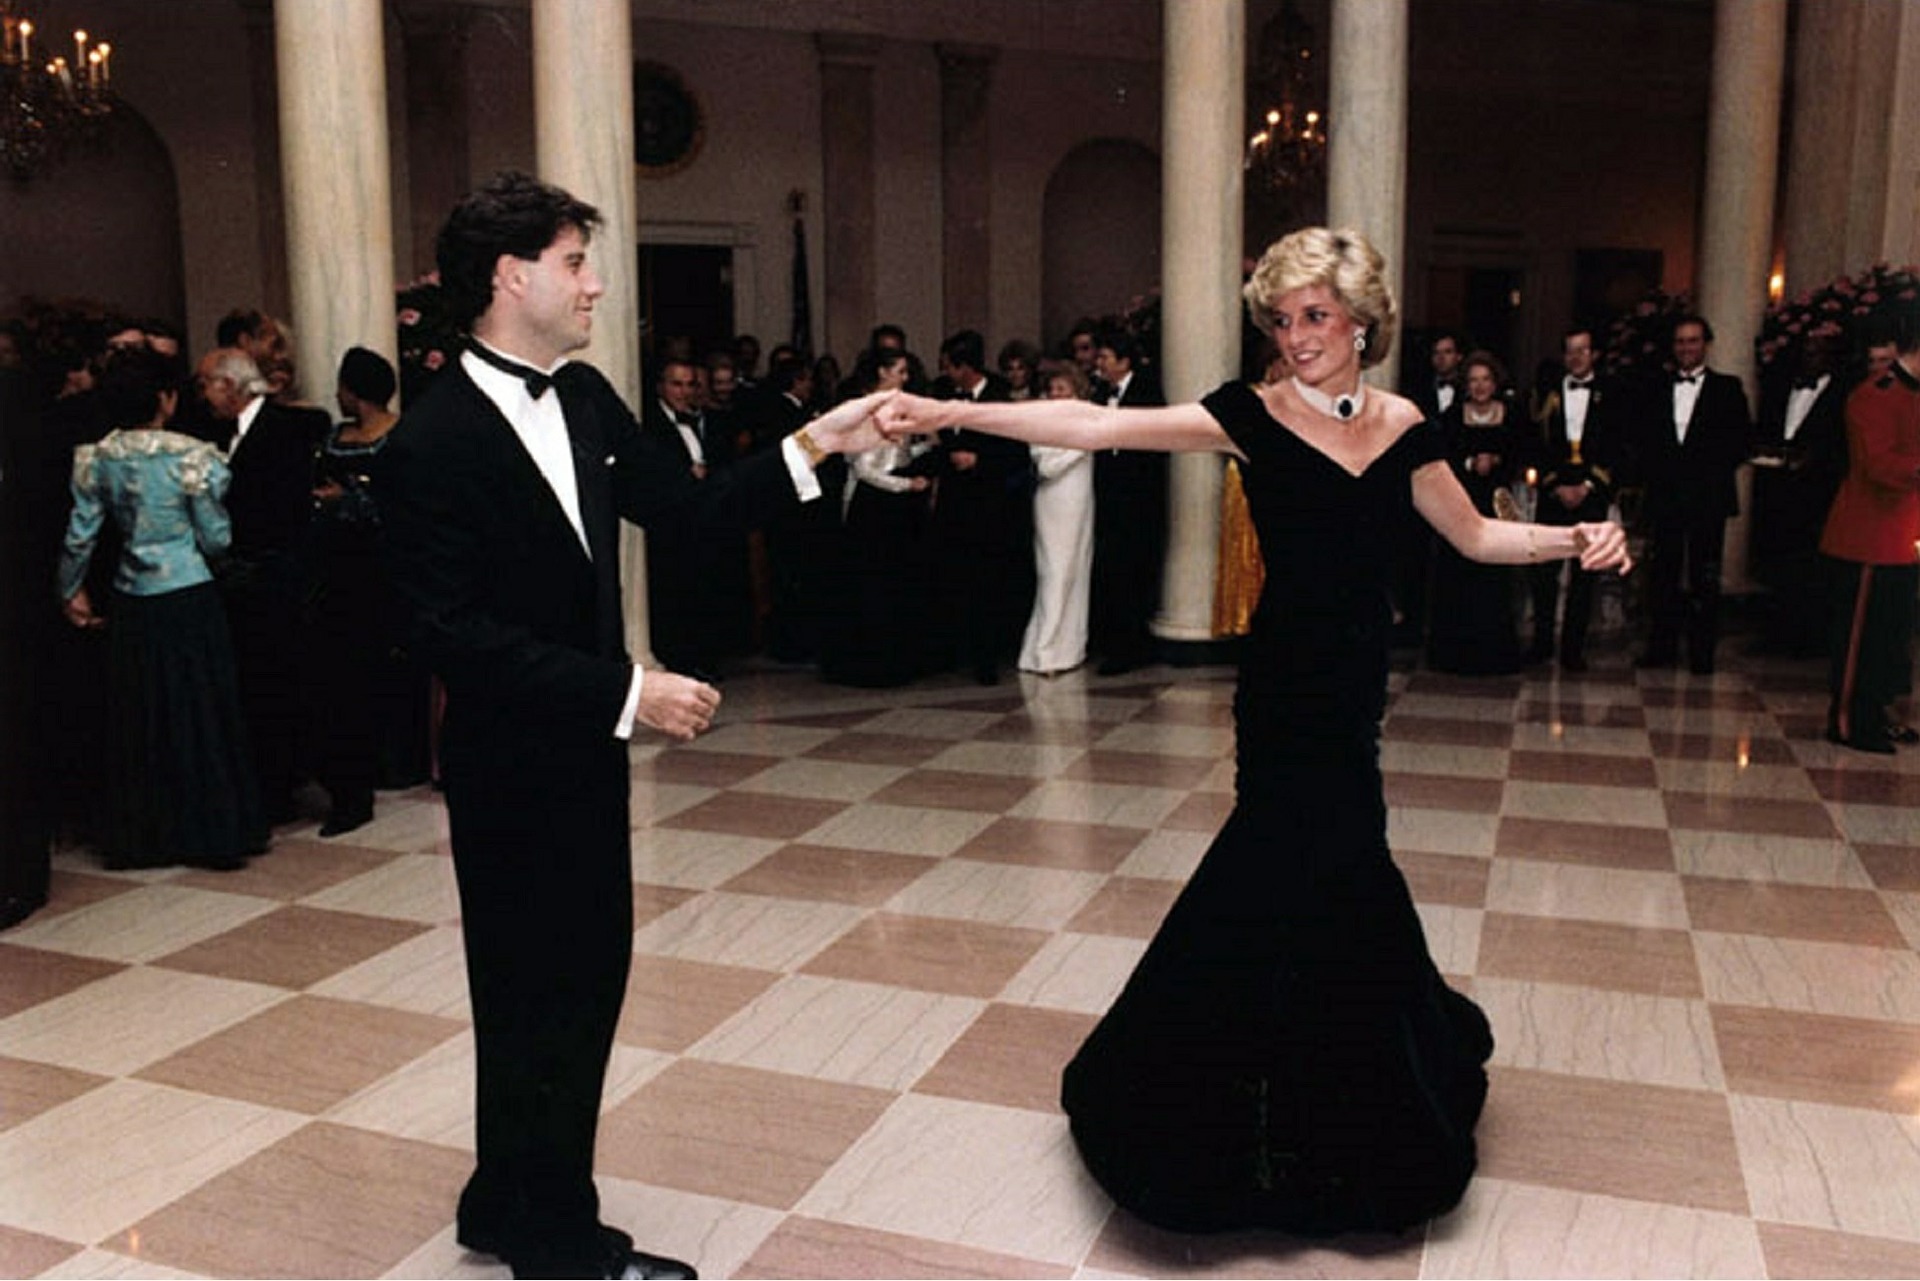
1367 134
583 137
337 184
1205 108
1736 224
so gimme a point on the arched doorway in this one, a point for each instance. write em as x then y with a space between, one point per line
1100 233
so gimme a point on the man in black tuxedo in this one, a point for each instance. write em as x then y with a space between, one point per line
1413 552
1799 460
1584 421
982 519
1695 434
1436 395
267 581
1129 519
502 492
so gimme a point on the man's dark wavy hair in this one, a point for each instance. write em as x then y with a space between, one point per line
514 213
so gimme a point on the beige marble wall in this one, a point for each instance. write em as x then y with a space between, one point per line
966 182
845 207
1367 133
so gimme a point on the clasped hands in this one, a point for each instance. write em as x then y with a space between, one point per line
1602 545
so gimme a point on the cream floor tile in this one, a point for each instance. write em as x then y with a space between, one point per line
115 1155
998 893
716 1235
1795 859
1726 722
1453 935
1531 887
695 860
652 802
1110 803
901 829
1728 778
1584 1031
839 1030
1166 855
1822 978
426 974
413 887
1219 778
1172 739
1023 760
105 1265
430 1099
130 1019
746 930
1079 972
1877 824
630 1067
1442 831
406 827
1616 806
1830 1167
1001 1179
825 780
931 722
1505 1229
764 738
147 923
1905 910
443 1259
1442 758
1531 737
1452 707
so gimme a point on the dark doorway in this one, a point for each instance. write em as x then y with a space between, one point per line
1482 304
686 291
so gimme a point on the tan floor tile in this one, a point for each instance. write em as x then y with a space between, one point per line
954 790
1565 803
303 1055
292 869
68 890
151 921
382 1196
1078 972
1619 957
759 814
653 803
1453 879
1039 842
427 974
803 1247
1862 1063
1807 819
1009 760
670 1004
1892 867
410 887
1002 1179
1590 1031
1812 1253
292 946
998 893
689 860
1641 1142
1594 715
1698 698
824 780
1506 1229
1442 831
29 976
901 829
1816 978
1867 787
1575 891
963 958
651 902
1597 844
1129 906
1734 780
1207 742
1131 1248
1059 731
1103 804
1012 1055
1559 736
753 1136
124 1022
717 1234
1428 758
862 747
27 1089
1583 769
836 1030
762 738
1734 749
1166 855
1791 911
823 720
26 1254
1874 824
952 723
1444 792
692 764
1404 727
431 1098
1792 859
749 930
1431 684
1171 711
1848 1169
1201 812
866 878
1103 765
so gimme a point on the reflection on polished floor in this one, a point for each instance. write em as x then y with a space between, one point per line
872 926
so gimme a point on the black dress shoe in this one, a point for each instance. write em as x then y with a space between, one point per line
638 1265
1879 746
1905 735
338 824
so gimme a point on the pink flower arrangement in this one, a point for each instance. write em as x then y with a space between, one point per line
1853 305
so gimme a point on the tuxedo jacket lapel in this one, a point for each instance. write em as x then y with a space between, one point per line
520 471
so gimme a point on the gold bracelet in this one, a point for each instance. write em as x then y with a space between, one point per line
809 446
1533 542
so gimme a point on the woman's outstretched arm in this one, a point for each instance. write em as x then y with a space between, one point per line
1074 424
1445 505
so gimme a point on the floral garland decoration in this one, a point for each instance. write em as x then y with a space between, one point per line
429 339
1639 342
1848 306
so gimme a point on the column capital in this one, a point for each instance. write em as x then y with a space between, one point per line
840 48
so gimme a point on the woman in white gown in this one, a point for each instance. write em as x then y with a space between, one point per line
1056 638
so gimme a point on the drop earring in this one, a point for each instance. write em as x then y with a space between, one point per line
1360 341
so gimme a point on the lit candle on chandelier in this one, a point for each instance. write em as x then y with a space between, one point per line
106 64
1533 477
80 51
26 42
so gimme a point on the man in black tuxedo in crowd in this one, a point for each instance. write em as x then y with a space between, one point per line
1129 518
697 597
502 492
982 519
1695 433
267 579
1413 555
1800 457
1436 395
1584 422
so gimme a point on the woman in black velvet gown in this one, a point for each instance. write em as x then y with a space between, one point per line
1286 1055
1472 631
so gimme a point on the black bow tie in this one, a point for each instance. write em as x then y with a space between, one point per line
687 420
537 382
1579 384
1688 379
1806 384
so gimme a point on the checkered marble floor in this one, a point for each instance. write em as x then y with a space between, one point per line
873 926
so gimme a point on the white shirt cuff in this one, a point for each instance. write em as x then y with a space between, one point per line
624 730
805 483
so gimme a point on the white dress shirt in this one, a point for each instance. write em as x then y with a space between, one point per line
1800 404
1686 394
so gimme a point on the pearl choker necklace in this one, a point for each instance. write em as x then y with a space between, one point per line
1346 408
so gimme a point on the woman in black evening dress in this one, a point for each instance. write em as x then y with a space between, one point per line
1286 1055
1472 631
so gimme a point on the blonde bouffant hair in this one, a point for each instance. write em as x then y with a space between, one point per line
1346 263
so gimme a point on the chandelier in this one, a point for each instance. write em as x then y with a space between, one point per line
1285 159
51 103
